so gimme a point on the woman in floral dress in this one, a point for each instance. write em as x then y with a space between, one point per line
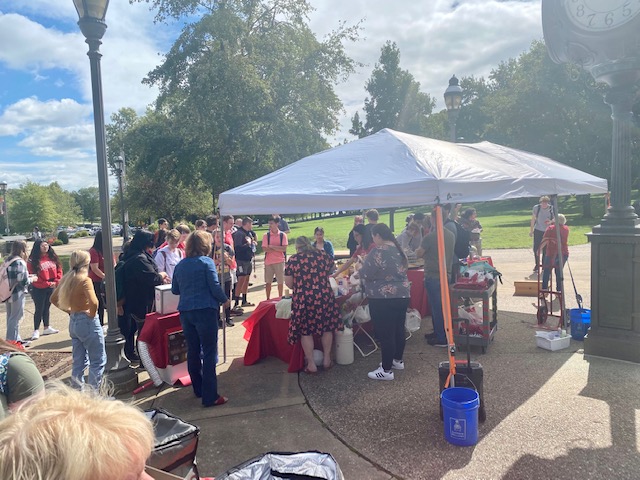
314 310
387 287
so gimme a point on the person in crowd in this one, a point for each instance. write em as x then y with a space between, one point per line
407 221
237 223
364 247
96 273
314 310
321 244
244 244
388 289
372 218
18 276
44 263
454 266
454 214
223 258
167 257
283 226
541 218
160 235
228 229
44 439
429 251
76 296
200 224
21 379
37 234
141 275
212 224
352 244
196 281
424 221
274 245
551 258
410 238
469 222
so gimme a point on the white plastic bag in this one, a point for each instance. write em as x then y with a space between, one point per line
473 313
362 314
413 320
283 308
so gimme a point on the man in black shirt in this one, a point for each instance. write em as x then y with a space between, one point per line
244 245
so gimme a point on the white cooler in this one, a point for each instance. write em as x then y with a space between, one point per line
166 302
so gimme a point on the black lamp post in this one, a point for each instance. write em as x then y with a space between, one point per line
119 170
93 26
3 191
453 101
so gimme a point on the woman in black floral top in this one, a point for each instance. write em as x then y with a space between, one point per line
314 310
387 287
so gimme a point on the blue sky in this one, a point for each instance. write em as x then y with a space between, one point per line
46 123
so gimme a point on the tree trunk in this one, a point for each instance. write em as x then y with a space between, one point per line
586 206
392 212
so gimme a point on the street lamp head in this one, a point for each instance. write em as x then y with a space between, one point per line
118 163
92 14
453 95
3 186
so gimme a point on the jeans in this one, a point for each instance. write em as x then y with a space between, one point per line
42 301
87 342
432 285
388 316
537 241
546 272
15 312
200 328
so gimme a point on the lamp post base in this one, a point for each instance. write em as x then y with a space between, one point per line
615 299
118 371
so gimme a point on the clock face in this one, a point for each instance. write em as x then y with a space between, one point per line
601 15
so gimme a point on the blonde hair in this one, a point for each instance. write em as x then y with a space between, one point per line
73 435
198 244
79 264
303 244
561 219
173 234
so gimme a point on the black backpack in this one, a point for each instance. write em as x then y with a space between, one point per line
463 236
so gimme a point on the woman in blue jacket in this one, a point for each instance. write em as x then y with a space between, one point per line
196 281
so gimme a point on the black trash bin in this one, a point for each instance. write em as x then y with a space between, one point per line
311 465
176 444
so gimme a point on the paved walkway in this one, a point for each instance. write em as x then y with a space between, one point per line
550 415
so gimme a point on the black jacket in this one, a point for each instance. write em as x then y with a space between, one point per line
140 278
241 246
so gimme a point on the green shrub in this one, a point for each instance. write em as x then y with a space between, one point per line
63 237
80 234
58 242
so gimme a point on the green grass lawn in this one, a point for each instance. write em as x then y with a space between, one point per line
505 224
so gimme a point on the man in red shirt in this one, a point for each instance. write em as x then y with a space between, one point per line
274 245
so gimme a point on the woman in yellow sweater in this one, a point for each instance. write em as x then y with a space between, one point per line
76 296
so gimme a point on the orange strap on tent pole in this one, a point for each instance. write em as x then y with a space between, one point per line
444 295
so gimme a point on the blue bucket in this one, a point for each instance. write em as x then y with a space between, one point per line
460 409
580 322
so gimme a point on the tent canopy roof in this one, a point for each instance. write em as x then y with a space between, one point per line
394 169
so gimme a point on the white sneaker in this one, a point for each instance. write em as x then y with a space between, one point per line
396 365
35 335
380 374
49 330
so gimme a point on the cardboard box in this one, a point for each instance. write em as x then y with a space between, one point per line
526 289
166 302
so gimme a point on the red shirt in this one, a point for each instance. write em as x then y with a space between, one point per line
96 257
552 245
49 274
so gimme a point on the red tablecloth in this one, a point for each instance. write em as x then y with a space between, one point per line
267 336
154 334
418 293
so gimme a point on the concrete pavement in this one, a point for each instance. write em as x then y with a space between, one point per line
549 414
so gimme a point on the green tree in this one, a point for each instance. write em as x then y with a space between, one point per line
395 100
67 211
88 199
32 205
247 87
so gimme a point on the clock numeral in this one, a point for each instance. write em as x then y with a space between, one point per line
580 11
591 17
608 18
626 11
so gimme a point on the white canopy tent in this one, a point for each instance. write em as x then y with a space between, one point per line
394 169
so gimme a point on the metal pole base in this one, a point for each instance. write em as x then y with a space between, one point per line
615 303
118 371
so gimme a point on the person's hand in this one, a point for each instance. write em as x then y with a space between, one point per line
227 304
531 234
